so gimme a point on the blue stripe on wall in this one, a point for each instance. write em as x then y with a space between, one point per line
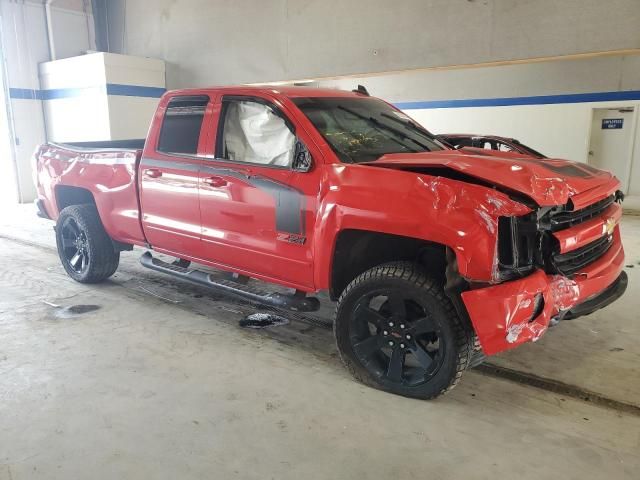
134 91
24 93
54 94
511 101
110 89
156 92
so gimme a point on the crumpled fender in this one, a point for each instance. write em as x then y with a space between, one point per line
459 215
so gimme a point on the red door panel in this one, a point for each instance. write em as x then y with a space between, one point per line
253 219
170 204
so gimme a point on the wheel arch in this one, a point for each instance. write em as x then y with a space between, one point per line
67 195
356 251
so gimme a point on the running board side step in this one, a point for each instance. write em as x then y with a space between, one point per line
295 303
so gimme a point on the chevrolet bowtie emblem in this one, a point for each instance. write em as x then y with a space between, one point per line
609 226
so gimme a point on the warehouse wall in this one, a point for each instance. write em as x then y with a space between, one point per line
24 42
25 45
210 42
73 28
8 188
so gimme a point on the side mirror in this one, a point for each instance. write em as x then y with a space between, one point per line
302 161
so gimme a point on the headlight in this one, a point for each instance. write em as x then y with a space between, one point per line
517 237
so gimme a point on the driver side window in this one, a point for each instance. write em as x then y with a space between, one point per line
253 133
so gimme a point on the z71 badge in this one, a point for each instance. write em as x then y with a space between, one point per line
292 238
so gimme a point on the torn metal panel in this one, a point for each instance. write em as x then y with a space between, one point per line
565 292
510 313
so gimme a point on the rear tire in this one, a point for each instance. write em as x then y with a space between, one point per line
397 331
84 247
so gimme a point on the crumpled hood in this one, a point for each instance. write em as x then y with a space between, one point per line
546 181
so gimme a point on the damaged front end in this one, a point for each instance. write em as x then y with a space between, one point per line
552 263
533 241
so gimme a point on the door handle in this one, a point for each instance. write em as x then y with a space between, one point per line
153 172
215 182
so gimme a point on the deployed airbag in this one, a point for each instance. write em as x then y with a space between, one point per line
254 134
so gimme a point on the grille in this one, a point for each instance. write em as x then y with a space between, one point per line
528 242
566 219
571 262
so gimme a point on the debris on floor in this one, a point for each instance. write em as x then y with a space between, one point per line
262 320
75 310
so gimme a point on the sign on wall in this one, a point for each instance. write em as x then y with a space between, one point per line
611 123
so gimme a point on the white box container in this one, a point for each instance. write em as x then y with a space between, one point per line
100 96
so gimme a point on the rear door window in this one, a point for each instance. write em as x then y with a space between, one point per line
180 133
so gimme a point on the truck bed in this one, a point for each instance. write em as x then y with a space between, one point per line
133 144
104 173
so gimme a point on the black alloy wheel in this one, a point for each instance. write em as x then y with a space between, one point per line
396 330
74 246
396 337
86 251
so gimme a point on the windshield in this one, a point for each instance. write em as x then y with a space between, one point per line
364 129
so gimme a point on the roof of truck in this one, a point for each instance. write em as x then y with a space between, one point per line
288 91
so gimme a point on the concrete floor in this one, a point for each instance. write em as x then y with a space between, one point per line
160 382
631 205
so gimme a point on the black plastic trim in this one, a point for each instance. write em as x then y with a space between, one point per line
600 300
570 218
571 262
295 303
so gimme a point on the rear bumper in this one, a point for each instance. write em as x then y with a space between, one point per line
511 313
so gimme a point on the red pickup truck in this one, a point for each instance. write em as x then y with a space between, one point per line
434 256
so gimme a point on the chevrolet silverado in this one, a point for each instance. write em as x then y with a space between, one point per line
435 257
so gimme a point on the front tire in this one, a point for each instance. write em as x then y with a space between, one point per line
397 331
85 249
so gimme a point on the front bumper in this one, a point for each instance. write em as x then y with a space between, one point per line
600 300
509 314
